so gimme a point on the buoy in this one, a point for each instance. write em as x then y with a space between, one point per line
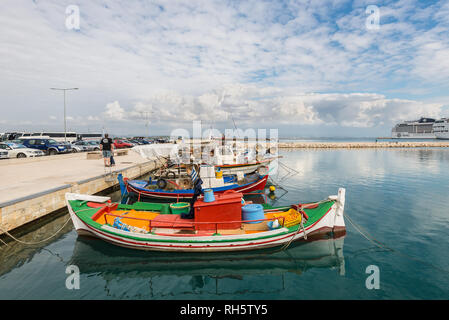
272 188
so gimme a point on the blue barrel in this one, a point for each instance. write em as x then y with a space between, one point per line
253 212
208 195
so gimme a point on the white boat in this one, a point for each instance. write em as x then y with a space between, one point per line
441 128
417 129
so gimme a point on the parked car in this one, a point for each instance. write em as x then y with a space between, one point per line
80 146
95 145
49 146
136 142
119 144
15 150
4 154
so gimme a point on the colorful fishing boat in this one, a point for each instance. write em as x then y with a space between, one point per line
244 167
177 189
176 171
227 223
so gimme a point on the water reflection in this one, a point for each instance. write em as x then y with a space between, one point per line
212 273
15 254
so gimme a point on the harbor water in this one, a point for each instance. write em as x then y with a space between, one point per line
396 197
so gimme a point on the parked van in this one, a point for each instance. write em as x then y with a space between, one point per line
58 136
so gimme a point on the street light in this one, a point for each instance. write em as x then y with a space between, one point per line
146 114
65 119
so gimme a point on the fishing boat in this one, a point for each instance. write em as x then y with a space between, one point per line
224 223
180 188
176 171
243 167
224 158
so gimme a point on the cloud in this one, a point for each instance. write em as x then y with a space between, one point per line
308 61
114 111
249 105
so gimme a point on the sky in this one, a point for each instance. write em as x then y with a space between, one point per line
307 68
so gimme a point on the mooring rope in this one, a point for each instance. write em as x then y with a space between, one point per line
37 242
381 245
41 241
3 242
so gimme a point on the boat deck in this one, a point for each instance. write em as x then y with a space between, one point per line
155 218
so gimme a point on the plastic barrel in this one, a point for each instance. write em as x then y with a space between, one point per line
209 195
253 211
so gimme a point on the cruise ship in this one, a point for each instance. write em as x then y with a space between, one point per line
441 128
417 129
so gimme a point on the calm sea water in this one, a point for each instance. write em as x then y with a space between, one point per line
397 196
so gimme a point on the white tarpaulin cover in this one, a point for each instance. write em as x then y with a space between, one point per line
154 151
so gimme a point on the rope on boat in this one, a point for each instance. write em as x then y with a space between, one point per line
287 244
381 245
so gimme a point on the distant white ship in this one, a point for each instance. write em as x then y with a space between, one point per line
441 128
417 129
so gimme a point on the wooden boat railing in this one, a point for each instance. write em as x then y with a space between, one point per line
192 223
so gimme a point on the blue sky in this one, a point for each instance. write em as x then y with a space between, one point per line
307 68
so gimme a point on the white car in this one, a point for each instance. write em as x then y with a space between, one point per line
16 150
82 146
78 148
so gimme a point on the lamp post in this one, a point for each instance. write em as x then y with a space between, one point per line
146 115
65 119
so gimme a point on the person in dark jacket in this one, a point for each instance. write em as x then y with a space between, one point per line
107 146
192 171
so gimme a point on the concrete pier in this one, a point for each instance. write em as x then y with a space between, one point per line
31 188
355 145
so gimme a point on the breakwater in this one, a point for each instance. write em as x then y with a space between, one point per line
361 145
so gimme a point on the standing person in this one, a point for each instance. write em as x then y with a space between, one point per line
112 159
197 189
107 147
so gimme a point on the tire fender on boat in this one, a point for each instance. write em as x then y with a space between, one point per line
161 183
